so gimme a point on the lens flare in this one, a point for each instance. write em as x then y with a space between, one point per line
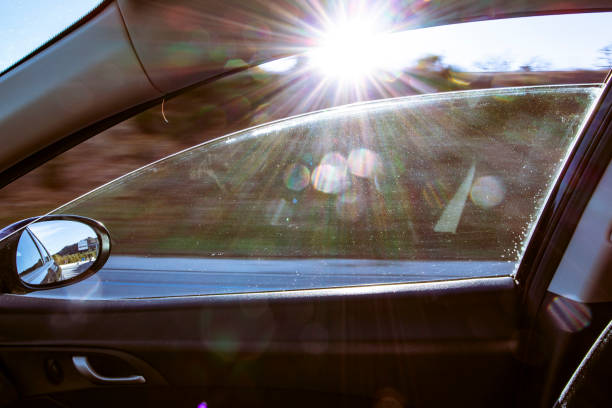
487 192
334 159
570 316
279 66
297 177
363 163
331 175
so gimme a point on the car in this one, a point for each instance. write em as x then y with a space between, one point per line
34 263
294 203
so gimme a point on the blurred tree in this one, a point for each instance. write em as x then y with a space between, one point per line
494 64
605 60
535 64
430 63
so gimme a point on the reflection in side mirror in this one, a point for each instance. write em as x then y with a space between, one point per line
53 251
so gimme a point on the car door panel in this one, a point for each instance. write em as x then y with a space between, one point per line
458 337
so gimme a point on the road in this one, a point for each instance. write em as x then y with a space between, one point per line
141 277
73 269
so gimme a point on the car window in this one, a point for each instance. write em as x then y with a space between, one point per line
28 257
41 248
412 189
432 168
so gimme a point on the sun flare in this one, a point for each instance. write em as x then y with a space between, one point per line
353 50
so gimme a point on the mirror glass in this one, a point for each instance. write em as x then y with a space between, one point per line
53 251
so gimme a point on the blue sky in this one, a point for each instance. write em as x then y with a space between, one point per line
564 42
27 24
55 235
560 42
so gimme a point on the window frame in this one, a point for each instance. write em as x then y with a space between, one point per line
582 170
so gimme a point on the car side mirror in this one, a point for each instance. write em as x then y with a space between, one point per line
50 252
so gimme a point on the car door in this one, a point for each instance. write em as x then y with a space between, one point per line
287 265
276 331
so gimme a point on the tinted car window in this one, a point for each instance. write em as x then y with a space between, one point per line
27 257
43 251
410 189
455 176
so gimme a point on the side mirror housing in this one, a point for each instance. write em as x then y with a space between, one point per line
51 251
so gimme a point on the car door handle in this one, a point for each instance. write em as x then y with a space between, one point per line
86 370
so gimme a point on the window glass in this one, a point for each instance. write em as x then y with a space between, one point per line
411 189
437 170
41 248
28 258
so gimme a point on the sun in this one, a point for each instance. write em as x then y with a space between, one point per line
351 50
